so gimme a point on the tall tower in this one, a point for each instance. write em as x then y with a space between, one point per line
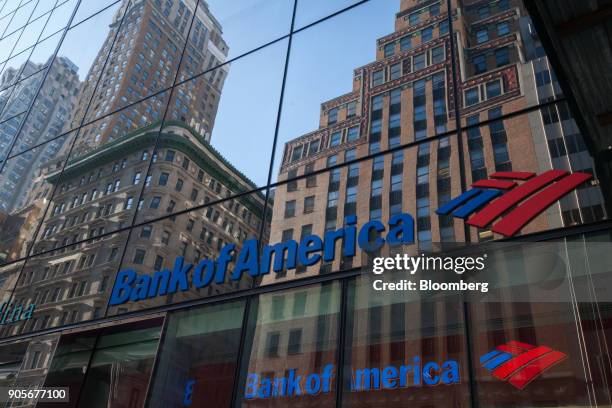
406 95
143 60
52 108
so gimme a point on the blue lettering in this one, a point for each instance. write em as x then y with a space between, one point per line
251 386
308 245
247 260
402 230
121 290
371 244
389 377
179 276
203 273
428 377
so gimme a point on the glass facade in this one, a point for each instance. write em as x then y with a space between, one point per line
159 158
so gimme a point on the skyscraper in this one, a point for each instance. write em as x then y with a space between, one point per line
144 59
406 96
52 108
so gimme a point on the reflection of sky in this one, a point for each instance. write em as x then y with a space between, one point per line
321 66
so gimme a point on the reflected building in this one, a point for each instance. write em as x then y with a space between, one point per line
403 97
55 101
98 193
141 56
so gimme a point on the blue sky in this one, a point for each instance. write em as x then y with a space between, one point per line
321 66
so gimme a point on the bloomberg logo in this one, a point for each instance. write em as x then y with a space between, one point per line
538 192
131 286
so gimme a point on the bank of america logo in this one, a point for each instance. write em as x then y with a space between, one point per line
490 198
520 363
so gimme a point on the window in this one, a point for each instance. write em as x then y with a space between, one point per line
389 50
352 134
194 194
437 55
272 343
179 185
396 71
165 238
414 18
313 147
332 116
290 209
378 77
136 178
163 179
159 263
482 36
493 89
405 43
483 12
542 78
309 203
155 201
351 109
145 232
503 28
297 153
139 256
169 155
295 341
292 185
419 61
127 205
443 27
336 138
471 96
480 64
426 34
502 57
434 9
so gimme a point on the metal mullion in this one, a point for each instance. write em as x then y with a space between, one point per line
341 340
162 337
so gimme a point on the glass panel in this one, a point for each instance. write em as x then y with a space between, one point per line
292 352
144 57
34 365
366 93
88 8
9 275
402 348
544 146
204 111
233 29
107 367
198 357
70 283
55 101
119 373
11 358
87 46
310 11
192 245
25 193
102 180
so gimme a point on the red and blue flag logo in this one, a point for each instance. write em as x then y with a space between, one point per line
520 363
500 195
